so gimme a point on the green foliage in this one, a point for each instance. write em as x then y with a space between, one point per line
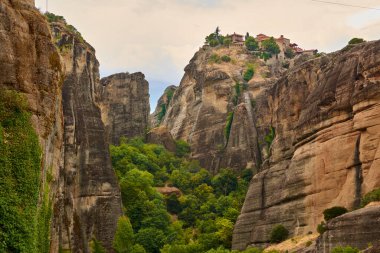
96 246
321 228
251 43
227 41
44 214
162 113
265 56
215 58
289 53
182 148
206 210
227 128
347 249
248 74
225 58
271 46
370 197
151 239
333 212
270 137
225 182
278 234
20 179
354 41
123 241
51 17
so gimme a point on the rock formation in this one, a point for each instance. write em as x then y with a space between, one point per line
124 102
326 117
88 203
161 136
209 92
359 229
162 106
30 65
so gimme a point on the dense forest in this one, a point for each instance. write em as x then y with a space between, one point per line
198 218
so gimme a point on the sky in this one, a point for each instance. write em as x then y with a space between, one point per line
159 37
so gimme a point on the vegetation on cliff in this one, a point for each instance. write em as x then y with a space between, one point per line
24 225
197 218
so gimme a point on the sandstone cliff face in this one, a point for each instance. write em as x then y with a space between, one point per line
162 106
359 229
30 64
88 203
326 116
124 102
206 96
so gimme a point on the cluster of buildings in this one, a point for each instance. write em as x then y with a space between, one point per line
282 42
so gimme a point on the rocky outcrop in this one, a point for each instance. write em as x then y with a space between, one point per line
30 65
88 202
209 92
161 136
162 106
326 117
359 229
124 102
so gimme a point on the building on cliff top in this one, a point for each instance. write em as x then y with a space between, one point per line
237 39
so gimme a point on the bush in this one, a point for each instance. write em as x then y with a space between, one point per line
370 197
226 58
251 43
289 53
354 41
271 46
347 249
214 58
182 148
321 228
248 74
227 128
333 212
279 234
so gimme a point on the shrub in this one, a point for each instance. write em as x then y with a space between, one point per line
248 74
321 228
97 247
251 43
289 53
370 197
227 128
225 58
214 58
354 41
279 233
227 42
270 137
347 249
182 148
333 212
271 46
51 17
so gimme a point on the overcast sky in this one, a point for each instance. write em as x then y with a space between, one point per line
159 37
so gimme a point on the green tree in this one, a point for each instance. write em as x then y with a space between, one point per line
354 41
173 204
151 239
137 248
333 212
96 246
271 46
248 74
225 182
251 44
224 231
289 53
182 148
227 42
347 249
123 241
278 234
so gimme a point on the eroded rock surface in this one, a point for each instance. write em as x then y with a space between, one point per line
124 102
207 95
162 106
359 229
88 203
161 136
326 115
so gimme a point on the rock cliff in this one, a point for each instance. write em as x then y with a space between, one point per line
30 66
359 229
212 95
88 203
325 114
162 106
124 102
